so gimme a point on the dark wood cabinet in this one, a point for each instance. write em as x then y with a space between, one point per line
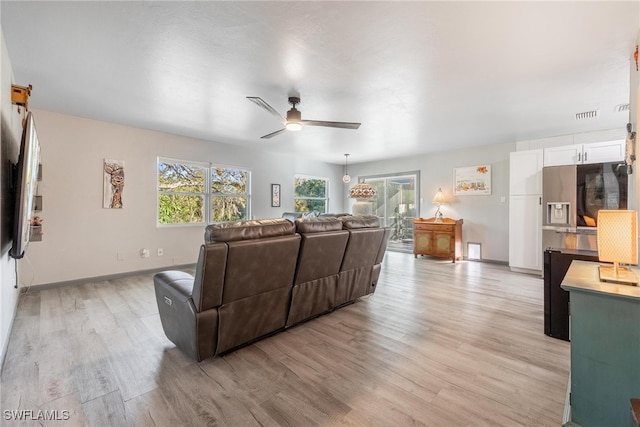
438 239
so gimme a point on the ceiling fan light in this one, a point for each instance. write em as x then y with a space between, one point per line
293 126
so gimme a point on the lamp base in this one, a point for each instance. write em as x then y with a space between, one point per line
623 275
362 207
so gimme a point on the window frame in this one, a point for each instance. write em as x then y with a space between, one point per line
208 191
326 191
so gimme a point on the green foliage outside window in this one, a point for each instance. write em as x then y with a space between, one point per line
310 194
182 193
229 189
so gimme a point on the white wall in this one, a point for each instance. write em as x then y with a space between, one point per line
83 240
9 144
486 218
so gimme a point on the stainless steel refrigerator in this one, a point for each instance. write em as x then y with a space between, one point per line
559 230
572 195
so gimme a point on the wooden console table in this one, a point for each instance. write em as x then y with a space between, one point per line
439 239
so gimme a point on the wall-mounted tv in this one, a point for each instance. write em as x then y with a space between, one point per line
26 177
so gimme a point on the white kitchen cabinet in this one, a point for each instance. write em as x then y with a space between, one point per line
602 152
525 232
525 211
525 172
596 152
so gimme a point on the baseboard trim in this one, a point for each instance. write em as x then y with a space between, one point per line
5 347
488 261
82 281
526 271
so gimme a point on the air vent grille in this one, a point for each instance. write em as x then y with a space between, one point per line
588 115
620 108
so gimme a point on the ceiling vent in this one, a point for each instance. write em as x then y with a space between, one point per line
621 108
588 115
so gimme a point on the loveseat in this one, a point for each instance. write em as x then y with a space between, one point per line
255 278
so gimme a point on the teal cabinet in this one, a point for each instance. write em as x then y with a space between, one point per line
605 347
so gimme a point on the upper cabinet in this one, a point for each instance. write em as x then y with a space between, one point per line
525 172
597 152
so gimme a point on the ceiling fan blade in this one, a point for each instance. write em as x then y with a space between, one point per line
341 125
262 104
272 134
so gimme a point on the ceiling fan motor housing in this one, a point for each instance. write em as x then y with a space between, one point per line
293 115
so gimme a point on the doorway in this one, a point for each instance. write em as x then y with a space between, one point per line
397 205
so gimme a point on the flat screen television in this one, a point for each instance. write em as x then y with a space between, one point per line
26 177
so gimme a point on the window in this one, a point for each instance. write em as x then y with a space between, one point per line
198 193
229 193
181 192
311 194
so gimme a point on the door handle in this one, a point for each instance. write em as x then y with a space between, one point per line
579 157
585 157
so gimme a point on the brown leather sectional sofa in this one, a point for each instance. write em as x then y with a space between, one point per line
254 278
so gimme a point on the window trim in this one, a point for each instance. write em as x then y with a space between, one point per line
208 193
326 191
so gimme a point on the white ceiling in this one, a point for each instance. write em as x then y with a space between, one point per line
419 76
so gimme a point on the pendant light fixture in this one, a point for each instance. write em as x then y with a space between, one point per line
346 178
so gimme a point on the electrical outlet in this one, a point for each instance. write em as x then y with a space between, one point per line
160 251
120 256
144 253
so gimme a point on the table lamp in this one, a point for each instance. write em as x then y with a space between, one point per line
617 243
439 199
363 193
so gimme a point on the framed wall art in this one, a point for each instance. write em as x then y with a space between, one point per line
275 195
474 180
113 183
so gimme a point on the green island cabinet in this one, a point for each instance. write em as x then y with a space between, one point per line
605 347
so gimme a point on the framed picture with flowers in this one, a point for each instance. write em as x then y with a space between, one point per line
473 180
275 195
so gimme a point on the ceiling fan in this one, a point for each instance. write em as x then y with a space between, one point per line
294 120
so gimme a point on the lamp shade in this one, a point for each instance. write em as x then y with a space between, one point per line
618 236
363 190
439 197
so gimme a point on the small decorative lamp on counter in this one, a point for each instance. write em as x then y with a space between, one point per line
439 199
363 193
618 243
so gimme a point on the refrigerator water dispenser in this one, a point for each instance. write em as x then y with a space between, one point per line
558 213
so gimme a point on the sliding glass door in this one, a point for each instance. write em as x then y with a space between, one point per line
397 205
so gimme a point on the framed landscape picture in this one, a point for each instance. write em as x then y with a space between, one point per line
474 180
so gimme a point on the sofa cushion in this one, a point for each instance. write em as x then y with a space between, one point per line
360 221
249 229
292 216
318 225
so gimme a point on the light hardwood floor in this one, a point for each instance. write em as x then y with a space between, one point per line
437 344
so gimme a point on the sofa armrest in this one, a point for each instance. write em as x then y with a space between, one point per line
178 283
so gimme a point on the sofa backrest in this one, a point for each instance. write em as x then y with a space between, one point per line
260 265
209 280
321 249
248 229
383 245
364 241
